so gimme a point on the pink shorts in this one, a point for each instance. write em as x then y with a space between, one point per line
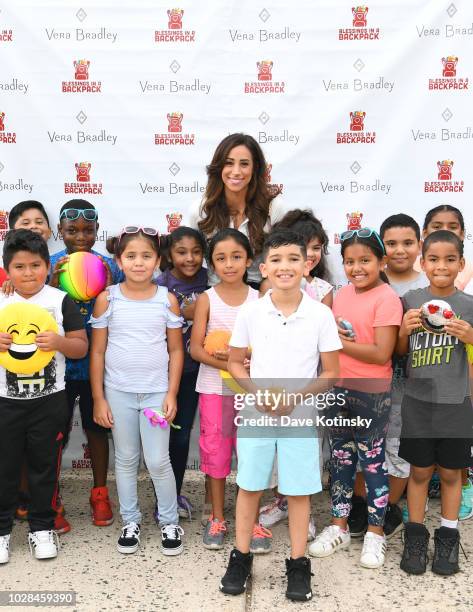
217 434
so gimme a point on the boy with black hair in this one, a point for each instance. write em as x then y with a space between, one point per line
31 215
33 406
78 226
437 417
289 333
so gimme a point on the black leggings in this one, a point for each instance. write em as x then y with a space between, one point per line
187 400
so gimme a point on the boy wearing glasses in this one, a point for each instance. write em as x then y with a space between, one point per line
78 226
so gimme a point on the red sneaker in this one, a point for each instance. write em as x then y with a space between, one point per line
102 514
61 525
60 506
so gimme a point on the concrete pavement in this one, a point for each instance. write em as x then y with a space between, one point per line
106 580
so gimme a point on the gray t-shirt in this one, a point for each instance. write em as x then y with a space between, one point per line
437 365
405 286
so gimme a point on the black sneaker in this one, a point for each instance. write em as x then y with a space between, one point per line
393 520
171 543
298 579
129 541
447 544
358 517
237 574
416 542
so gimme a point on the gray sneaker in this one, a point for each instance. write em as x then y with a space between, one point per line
261 540
214 534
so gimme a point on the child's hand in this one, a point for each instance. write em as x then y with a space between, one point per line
222 354
48 341
410 322
54 280
8 288
284 408
169 408
246 363
102 413
460 329
344 334
5 341
108 271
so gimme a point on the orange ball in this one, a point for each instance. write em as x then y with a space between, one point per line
217 340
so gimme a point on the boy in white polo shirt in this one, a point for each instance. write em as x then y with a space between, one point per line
289 333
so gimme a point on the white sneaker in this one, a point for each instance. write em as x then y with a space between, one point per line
312 530
374 550
331 539
43 544
274 512
5 548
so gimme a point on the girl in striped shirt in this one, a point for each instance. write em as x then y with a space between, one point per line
136 363
230 256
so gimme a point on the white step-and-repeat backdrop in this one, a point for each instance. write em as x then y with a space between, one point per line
362 111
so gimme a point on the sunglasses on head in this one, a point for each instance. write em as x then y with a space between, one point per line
365 232
72 214
134 229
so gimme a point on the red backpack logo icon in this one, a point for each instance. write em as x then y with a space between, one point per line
3 219
264 70
83 172
174 221
445 170
175 122
354 220
81 70
449 66
357 119
359 16
2 125
175 19
85 448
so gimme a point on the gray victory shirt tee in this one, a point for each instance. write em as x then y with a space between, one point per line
437 365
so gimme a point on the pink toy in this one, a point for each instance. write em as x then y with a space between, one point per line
157 418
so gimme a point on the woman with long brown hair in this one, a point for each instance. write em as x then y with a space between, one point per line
237 196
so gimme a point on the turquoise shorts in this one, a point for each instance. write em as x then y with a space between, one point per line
297 461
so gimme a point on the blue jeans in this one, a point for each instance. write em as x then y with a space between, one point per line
130 431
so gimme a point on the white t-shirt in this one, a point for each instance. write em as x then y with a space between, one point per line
51 378
285 347
276 213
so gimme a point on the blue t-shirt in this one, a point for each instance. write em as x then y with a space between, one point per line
78 369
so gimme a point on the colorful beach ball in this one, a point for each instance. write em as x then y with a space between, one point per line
84 276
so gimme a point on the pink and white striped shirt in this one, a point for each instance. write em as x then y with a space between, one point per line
221 317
